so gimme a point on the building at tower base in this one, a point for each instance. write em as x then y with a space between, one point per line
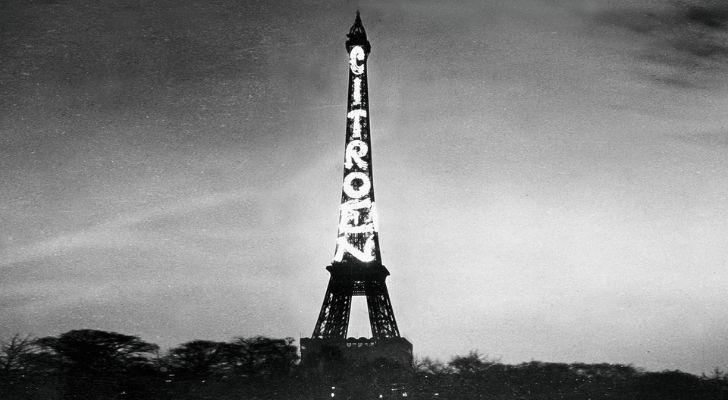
332 353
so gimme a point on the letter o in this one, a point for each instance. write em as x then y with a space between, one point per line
361 191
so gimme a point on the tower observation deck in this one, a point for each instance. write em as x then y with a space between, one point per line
356 269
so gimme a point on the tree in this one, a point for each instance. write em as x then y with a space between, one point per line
198 358
670 385
14 354
98 364
470 364
98 350
27 372
260 355
428 366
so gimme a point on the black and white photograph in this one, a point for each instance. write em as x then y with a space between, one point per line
188 208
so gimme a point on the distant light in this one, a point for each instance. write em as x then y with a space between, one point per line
332 395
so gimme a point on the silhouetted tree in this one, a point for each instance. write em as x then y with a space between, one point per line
261 356
667 385
428 366
27 372
197 359
107 365
14 356
470 364
99 364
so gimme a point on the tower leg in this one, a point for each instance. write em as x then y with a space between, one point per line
333 320
381 315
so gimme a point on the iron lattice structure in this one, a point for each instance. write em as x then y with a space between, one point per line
344 283
357 268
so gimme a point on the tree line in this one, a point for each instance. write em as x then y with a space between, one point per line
92 364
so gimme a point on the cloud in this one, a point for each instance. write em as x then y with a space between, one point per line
683 43
708 139
118 232
178 220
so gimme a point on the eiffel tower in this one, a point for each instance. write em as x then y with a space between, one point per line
356 269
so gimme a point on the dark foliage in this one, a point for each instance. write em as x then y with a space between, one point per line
90 364
96 364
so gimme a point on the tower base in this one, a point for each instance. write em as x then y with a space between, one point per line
330 354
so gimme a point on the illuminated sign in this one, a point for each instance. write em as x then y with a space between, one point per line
357 226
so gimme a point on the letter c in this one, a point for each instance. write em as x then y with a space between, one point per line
356 55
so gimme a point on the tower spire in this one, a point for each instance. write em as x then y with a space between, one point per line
357 36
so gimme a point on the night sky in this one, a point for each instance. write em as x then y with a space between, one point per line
551 176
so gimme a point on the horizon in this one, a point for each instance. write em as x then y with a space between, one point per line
551 178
